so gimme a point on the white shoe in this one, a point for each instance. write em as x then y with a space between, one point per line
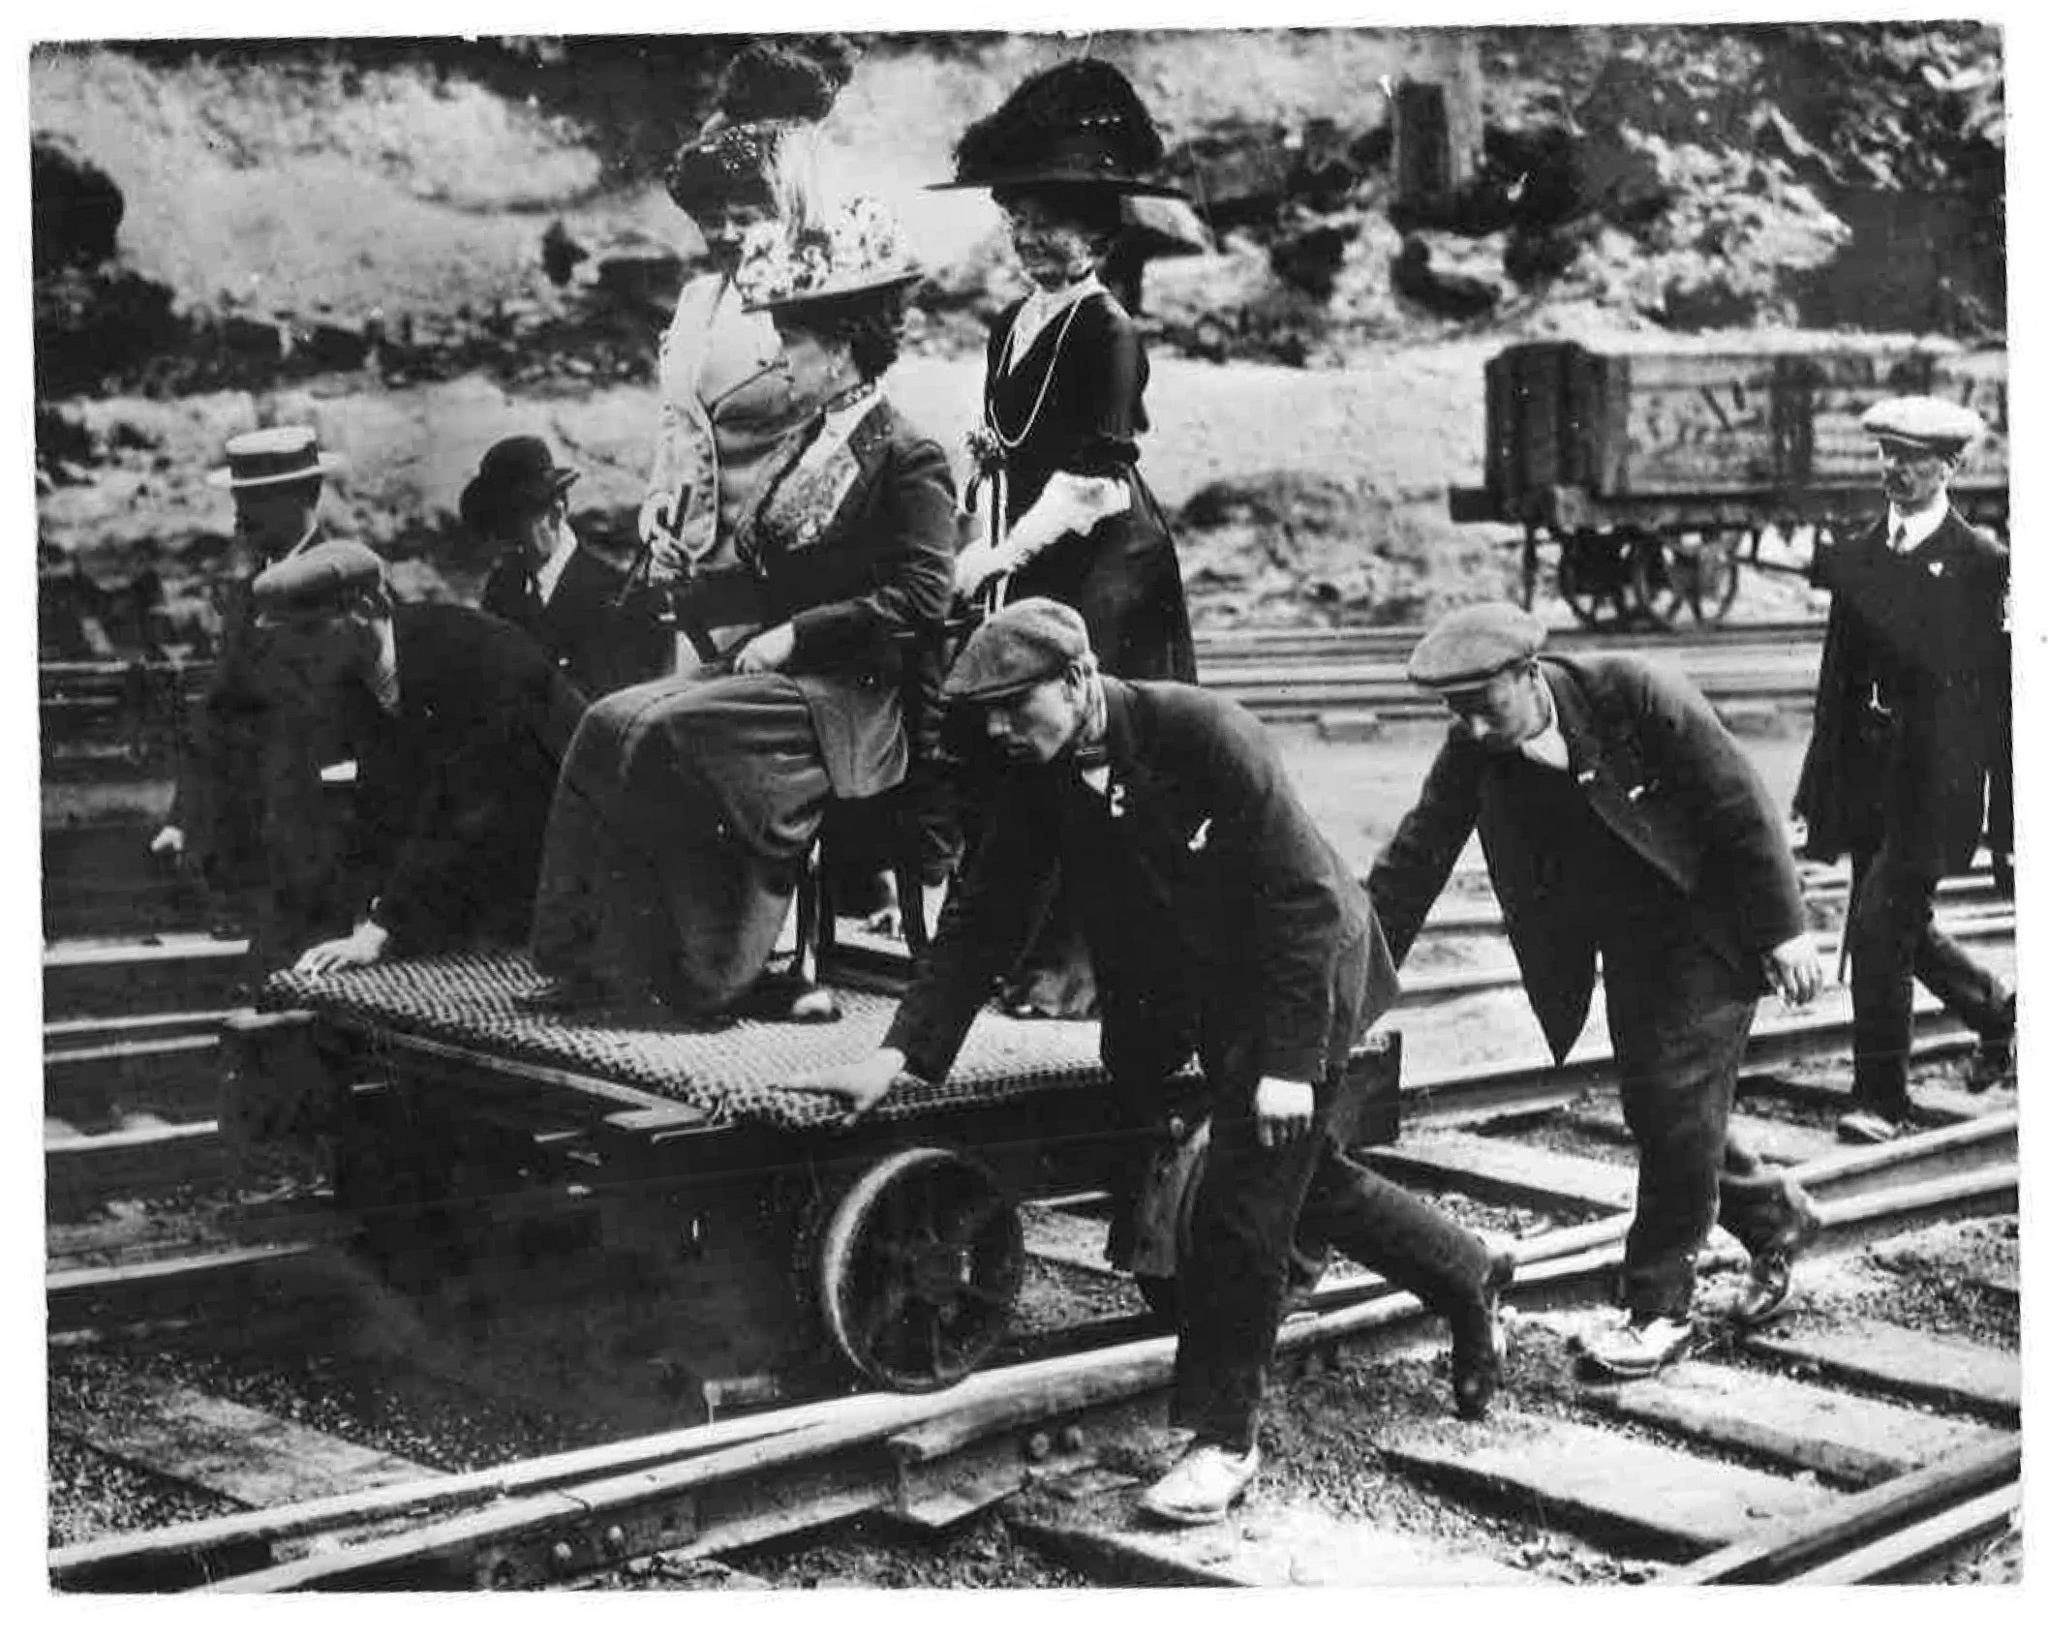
1201 1487
1638 1348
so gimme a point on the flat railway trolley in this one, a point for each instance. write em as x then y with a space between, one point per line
763 1248
1655 465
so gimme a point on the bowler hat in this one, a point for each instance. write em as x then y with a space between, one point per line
272 455
1015 649
1472 644
321 577
1937 424
517 477
1079 122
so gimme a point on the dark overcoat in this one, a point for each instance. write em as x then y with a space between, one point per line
1925 628
864 579
605 635
1234 879
1659 769
452 794
250 755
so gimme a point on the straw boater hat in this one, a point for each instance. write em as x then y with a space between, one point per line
1078 123
272 455
857 250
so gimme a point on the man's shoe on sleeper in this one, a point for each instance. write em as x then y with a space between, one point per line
1199 1489
1866 1127
1640 1347
1769 1282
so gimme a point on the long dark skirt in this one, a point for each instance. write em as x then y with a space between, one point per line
679 829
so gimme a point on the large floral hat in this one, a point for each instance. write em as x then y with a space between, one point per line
856 250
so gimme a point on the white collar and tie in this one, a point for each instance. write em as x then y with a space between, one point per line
1906 531
549 575
1546 746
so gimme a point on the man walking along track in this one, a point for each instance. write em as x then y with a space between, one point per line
1912 731
1620 819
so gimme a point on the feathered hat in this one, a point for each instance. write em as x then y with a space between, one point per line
766 92
1076 123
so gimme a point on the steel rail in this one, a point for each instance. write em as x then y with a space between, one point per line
775 1472
1867 1533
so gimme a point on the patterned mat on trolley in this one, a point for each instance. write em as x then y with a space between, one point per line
488 1003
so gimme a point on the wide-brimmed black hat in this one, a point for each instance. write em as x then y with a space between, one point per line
1076 124
517 477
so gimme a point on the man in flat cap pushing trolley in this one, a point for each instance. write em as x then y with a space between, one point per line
457 720
1912 729
1221 924
1620 819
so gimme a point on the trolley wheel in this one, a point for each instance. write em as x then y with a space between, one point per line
1689 581
919 1267
1593 578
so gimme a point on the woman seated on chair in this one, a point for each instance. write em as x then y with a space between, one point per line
686 807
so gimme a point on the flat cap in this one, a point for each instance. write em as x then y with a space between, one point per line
320 576
1026 643
1471 644
1937 424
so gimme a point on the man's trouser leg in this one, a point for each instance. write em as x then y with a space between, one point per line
1230 1290
1394 1233
1760 1206
1679 1019
1892 906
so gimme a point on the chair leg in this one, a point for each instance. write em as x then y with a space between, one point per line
810 893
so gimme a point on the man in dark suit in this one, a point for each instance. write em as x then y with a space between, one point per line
1221 923
1912 725
249 812
601 626
456 722
1619 818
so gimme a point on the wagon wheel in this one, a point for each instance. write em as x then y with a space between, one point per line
1593 577
1689 581
919 1268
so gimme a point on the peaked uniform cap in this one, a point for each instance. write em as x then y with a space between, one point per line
320 577
1022 645
1077 123
272 455
1937 424
1472 644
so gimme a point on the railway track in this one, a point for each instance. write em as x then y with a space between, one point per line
1684 1479
103 719
1059 1432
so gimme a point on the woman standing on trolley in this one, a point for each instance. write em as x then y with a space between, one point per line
1066 513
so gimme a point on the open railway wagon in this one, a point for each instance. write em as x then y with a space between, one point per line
759 1247
1656 464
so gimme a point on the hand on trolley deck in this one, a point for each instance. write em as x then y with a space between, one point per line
860 1085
